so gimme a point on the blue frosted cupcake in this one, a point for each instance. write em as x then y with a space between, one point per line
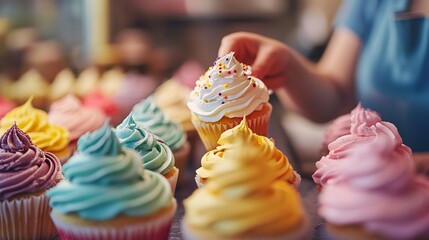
156 155
107 194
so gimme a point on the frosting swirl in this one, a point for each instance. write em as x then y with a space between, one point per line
238 185
47 137
155 154
69 113
104 181
386 179
268 151
24 168
227 89
148 115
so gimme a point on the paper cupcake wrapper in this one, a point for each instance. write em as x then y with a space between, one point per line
210 132
173 180
298 234
296 183
154 229
181 157
26 218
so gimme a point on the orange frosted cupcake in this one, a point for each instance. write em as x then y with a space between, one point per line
223 96
34 122
265 146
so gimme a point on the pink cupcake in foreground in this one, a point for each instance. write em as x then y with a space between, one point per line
361 130
340 127
375 193
5 106
69 113
26 172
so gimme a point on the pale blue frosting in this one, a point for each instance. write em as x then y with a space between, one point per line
104 182
155 154
150 116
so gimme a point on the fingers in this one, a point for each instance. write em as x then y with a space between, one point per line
245 45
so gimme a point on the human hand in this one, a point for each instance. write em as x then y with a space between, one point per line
268 57
422 162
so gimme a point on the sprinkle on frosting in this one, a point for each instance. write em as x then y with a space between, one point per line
24 168
104 181
229 79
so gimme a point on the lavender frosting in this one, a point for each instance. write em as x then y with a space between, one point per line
24 168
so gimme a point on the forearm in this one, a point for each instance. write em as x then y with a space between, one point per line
324 90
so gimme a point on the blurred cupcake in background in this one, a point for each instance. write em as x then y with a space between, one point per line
102 102
111 81
107 194
26 173
31 84
69 113
187 74
156 155
5 106
87 82
62 85
34 122
150 116
134 88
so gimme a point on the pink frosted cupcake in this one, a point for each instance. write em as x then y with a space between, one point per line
69 113
374 192
340 127
26 172
361 130
104 103
5 106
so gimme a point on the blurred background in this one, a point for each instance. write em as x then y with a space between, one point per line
123 50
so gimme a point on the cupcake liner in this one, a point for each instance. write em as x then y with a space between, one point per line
158 228
199 181
210 132
173 180
181 157
26 218
298 234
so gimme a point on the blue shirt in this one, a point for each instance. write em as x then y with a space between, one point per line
392 75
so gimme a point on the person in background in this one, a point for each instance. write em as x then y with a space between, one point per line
378 55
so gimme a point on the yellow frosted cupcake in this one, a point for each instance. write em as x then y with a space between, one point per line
87 82
34 122
267 150
244 200
223 96
62 85
31 84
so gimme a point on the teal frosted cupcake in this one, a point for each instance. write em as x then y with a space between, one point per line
107 194
148 115
156 155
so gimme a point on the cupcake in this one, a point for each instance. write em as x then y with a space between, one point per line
69 113
26 172
34 122
361 130
223 96
87 82
341 127
155 154
111 81
62 85
238 202
282 169
5 106
382 196
172 97
31 84
150 116
107 194
102 102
